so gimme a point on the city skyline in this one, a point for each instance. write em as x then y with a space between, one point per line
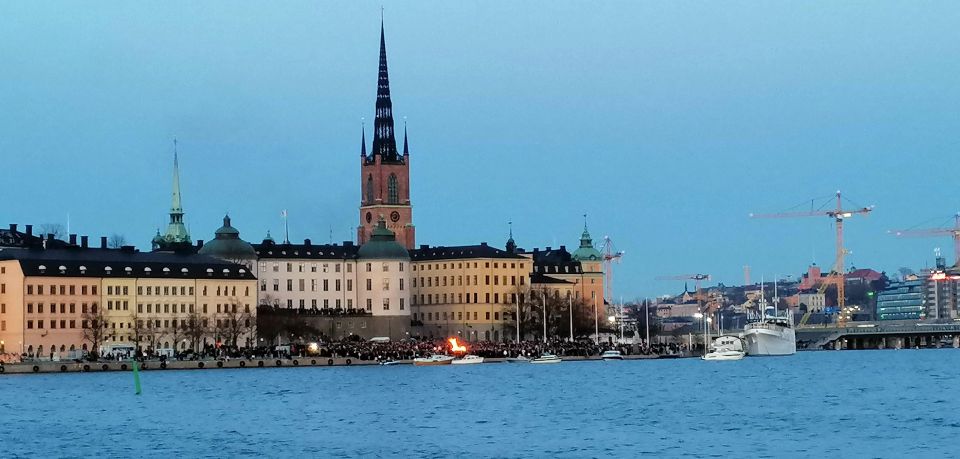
252 155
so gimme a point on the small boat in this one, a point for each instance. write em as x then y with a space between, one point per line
547 357
726 347
435 359
518 359
468 360
611 355
392 362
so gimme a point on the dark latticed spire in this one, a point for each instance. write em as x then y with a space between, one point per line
384 140
406 147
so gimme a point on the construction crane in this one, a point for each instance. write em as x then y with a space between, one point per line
937 232
838 214
696 278
610 255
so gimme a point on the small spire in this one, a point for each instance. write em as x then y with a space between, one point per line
363 138
406 147
511 229
584 222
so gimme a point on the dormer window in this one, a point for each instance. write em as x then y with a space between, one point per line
63 269
166 270
128 270
108 270
83 269
147 270
184 271
42 269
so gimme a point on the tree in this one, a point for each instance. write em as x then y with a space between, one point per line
176 332
235 322
644 312
116 241
138 328
152 332
196 329
94 328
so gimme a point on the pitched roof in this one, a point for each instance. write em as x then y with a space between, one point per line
126 262
268 249
425 252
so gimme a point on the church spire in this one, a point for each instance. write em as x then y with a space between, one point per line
175 206
384 140
177 232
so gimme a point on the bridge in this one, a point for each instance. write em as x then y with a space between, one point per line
878 335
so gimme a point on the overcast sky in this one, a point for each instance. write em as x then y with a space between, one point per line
666 122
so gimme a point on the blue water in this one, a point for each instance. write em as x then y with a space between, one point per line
854 403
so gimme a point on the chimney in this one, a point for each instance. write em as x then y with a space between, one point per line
13 227
483 244
83 241
306 242
199 244
103 242
29 230
49 237
563 248
73 239
424 246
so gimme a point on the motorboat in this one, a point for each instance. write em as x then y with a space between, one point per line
392 362
468 360
547 357
518 359
436 359
611 355
726 347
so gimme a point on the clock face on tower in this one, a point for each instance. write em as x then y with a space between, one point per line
369 217
394 216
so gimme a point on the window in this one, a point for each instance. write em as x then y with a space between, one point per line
349 268
289 267
488 280
289 285
349 284
369 304
487 315
30 324
302 284
386 267
401 304
460 315
326 285
369 188
386 284
40 308
401 284
3 308
369 284
337 285
386 304
401 266
392 194
369 267
496 316
263 285
29 290
29 308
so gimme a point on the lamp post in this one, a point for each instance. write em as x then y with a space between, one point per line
570 304
596 322
516 301
543 299
699 317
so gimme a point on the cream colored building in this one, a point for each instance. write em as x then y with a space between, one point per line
50 298
468 291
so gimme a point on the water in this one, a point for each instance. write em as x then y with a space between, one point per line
858 404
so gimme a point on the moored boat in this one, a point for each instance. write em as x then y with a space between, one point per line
468 360
726 347
547 357
611 355
435 359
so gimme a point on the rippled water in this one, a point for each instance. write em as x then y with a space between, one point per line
858 404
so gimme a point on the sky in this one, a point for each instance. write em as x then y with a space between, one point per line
668 123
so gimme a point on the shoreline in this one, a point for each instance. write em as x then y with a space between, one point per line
304 362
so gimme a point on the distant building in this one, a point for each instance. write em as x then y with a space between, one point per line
902 301
227 245
813 301
941 292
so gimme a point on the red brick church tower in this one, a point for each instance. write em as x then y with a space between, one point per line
385 173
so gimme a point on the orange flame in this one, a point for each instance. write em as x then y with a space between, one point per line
456 347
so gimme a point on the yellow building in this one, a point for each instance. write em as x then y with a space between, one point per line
60 299
468 291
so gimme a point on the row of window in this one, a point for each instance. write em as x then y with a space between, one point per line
53 324
430 316
436 266
63 308
438 281
63 289
301 267
426 299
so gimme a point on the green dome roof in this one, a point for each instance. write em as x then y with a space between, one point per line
228 245
586 252
383 245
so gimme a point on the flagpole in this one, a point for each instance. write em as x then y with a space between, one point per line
570 301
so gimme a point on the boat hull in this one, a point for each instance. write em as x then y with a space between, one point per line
431 362
769 339
545 361
468 361
724 356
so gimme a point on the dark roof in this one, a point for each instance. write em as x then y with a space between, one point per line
383 245
556 261
68 262
13 238
228 245
538 278
307 250
426 253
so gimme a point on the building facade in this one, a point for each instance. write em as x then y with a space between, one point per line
385 173
468 291
53 301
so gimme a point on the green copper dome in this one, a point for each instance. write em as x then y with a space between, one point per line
227 244
383 245
586 252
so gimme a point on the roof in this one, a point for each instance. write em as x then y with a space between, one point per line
125 262
866 274
383 245
228 245
538 278
427 253
557 261
268 249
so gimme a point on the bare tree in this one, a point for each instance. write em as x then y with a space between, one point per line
152 332
116 241
176 331
195 330
235 322
94 328
56 229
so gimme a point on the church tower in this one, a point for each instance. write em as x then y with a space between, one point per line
385 173
177 235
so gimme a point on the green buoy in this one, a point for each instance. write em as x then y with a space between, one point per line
136 377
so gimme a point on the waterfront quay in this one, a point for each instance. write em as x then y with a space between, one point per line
880 335
127 365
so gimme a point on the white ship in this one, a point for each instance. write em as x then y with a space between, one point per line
772 334
726 347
